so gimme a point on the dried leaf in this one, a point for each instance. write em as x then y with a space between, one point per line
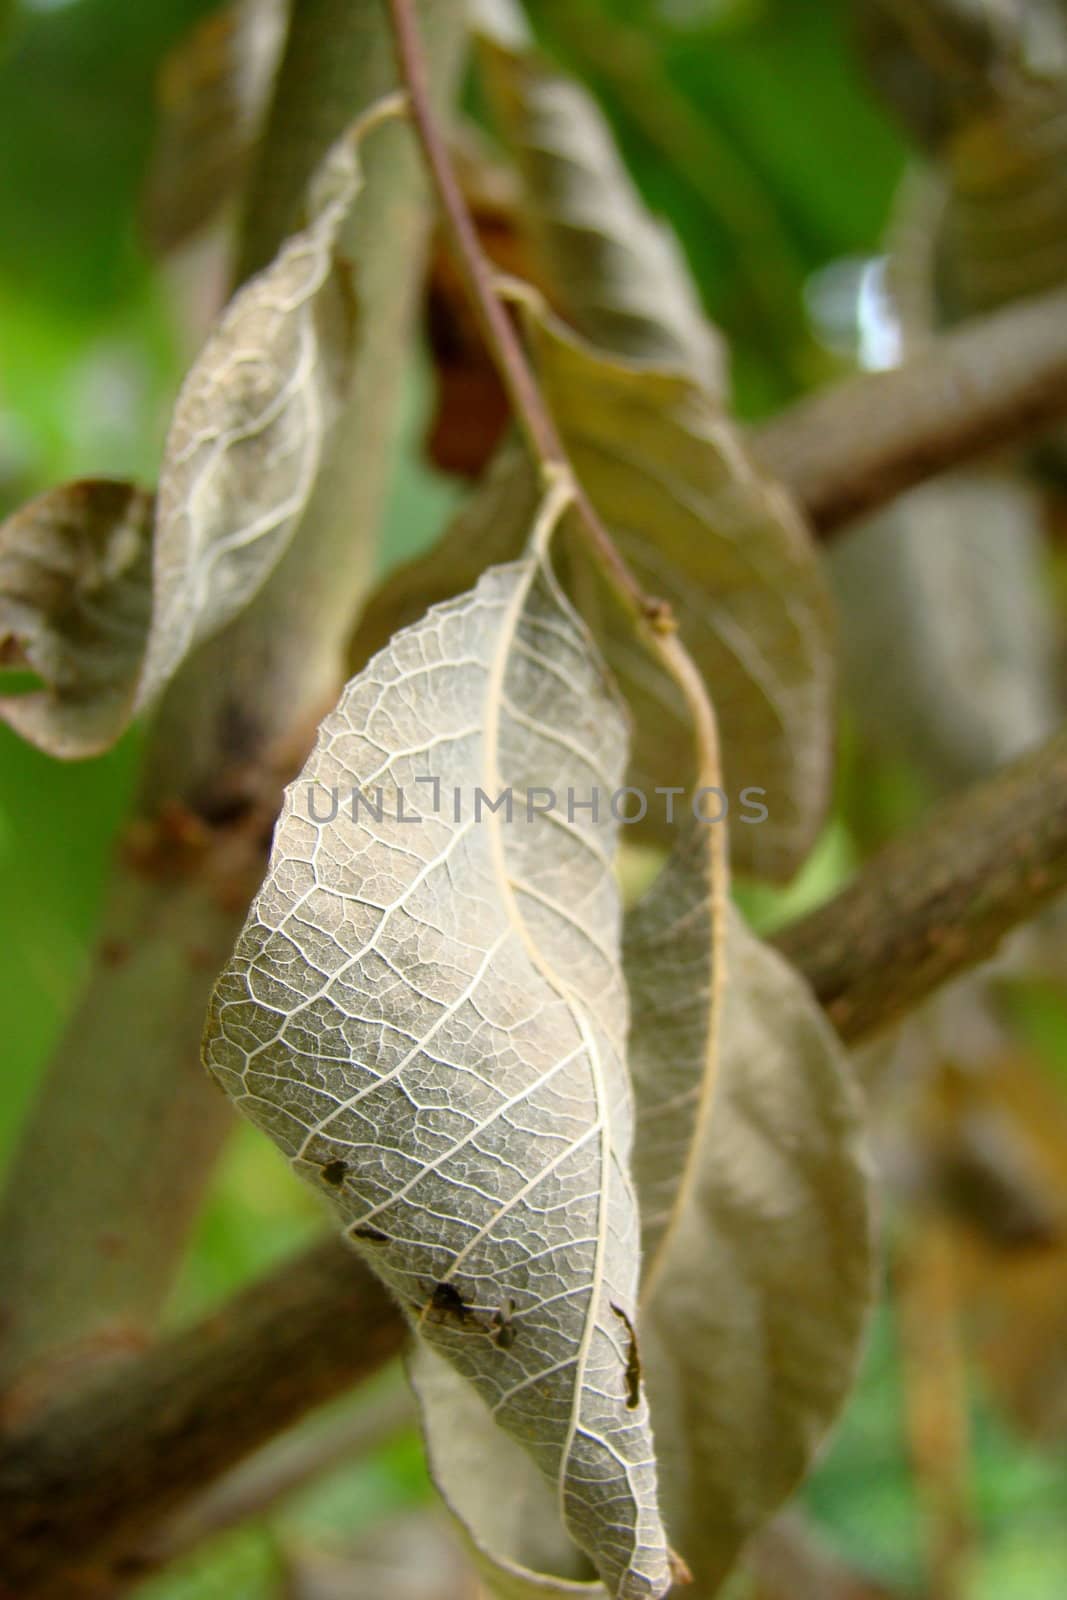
702 531
940 63
74 600
949 640
1003 230
471 412
733 559
430 1020
212 96
502 1506
750 1334
240 463
751 1337
610 269
673 938
250 424
984 87
491 527
674 945
673 952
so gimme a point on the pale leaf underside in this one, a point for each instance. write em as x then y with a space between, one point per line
752 1327
429 1018
250 425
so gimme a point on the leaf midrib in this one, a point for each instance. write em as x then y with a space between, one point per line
558 498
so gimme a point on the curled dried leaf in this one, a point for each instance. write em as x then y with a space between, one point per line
431 991
107 613
250 425
955 668
212 96
752 1332
751 1328
74 602
609 267
730 555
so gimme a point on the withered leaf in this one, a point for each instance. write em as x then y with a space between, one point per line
605 263
440 1004
674 952
250 425
949 636
212 96
106 613
75 566
751 1330
731 556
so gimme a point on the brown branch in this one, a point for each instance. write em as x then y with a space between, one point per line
940 899
992 383
280 1470
82 1484
87 1482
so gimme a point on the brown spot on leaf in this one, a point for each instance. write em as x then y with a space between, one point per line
633 1361
502 1325
447 1299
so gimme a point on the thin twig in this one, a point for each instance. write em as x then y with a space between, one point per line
514 369
504 344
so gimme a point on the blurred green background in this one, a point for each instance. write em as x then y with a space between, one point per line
749 124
